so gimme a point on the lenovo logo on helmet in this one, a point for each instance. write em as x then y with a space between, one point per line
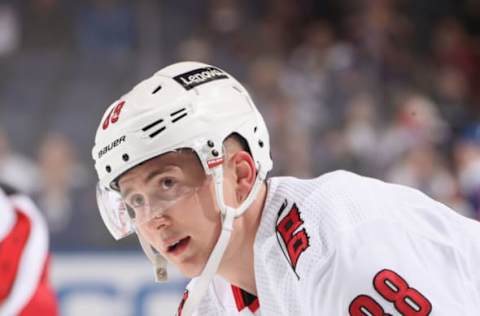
110 146
199 76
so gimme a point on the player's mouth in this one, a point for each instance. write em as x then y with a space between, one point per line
178 246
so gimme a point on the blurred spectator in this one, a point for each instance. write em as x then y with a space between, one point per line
195 48
63 192
105 30
467 160
417 122
361 133
331 151
452 93
384 39
15 169
225 16
287 135
9 29
45 26
422 167
311 64
453 47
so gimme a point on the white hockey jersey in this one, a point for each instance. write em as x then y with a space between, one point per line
343 244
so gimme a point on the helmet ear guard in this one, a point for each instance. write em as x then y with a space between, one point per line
185 105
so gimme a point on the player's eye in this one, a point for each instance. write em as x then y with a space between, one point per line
136 201
167 183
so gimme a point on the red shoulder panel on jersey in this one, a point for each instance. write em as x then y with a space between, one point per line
11 249
43 301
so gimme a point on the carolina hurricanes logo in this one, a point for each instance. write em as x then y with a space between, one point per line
293 236
182 303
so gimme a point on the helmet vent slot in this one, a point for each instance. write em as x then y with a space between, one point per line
152 135
178 115
177 112
157 89
237 89
149 126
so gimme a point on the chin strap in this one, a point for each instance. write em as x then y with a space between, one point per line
200 287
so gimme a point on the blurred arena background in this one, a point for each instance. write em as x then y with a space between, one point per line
386 88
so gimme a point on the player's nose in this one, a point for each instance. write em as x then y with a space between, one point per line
158 222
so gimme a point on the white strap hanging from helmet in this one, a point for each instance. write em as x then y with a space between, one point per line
158 261
228 215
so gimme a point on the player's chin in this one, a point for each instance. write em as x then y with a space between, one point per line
190 269
188 273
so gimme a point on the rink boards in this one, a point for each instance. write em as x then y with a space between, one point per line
113 283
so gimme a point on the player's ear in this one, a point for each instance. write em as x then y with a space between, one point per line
245 172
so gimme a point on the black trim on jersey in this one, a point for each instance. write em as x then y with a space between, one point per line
282 208
245 299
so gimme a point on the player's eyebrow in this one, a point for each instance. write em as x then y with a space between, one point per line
152 174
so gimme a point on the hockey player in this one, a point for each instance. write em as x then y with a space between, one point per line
182 160
24 260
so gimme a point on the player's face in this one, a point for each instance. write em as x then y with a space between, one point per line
183 222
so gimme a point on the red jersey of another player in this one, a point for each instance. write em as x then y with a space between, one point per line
24 258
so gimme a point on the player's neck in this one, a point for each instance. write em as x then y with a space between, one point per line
237 265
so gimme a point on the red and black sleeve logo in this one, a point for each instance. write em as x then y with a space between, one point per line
293 236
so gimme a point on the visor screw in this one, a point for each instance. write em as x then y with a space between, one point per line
210 143
108 168
260 143
125 157
255 129
215 152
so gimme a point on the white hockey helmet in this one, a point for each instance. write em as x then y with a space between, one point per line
185 105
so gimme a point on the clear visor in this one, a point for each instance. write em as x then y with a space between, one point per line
114 212
123 212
